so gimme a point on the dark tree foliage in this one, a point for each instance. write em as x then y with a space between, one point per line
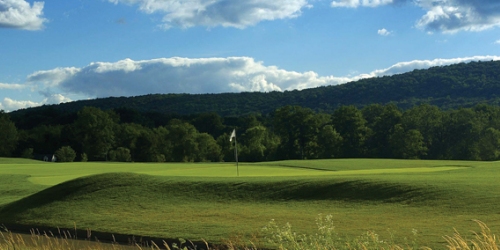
449 112
53 115
147 148
258 144
330 143
44 139
298 128
381 127
95 131
8 135
406 144
210 123
120 154
207 149
429 121
291 132
350 123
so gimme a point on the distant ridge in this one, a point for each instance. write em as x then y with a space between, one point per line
448 87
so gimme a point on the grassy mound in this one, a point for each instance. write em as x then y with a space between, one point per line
207 201
146 188
111 201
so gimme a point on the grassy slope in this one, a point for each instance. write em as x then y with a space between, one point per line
207 200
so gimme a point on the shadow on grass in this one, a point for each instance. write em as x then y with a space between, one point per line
345 191
101 187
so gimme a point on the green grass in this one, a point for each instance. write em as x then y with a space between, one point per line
208 201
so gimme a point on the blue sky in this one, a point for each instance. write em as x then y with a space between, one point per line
60 51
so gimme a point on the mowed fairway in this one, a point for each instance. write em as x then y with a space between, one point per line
208 201
51 174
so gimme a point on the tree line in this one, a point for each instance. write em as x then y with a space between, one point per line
290 132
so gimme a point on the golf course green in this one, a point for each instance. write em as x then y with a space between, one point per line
400 200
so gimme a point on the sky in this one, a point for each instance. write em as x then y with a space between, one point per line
61 51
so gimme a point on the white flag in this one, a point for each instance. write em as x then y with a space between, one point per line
233 135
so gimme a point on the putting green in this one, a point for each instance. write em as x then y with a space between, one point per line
217 170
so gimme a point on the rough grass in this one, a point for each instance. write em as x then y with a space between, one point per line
276 236
208 201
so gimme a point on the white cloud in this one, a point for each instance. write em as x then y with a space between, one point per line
11 86
52 77
56 99
19 14
459 15
177 75
9 104
383 32
357 3
497 41
403 67
226 13
346 3
447 16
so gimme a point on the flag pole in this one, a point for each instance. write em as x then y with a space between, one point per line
236 156
233 135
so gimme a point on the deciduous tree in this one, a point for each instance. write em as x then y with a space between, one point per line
8 135
65 154
95 131
349 122
298 128
120 154
208 149
330 142
407 144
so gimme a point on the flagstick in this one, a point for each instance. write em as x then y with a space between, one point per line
233 135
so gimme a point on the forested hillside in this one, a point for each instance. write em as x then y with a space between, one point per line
441 113
448 87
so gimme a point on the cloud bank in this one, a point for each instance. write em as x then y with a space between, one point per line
18 14
9 104
403 67
226 13
446 16
177 75
201 75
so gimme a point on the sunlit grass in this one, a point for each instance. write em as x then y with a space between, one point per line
53 173
208 201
